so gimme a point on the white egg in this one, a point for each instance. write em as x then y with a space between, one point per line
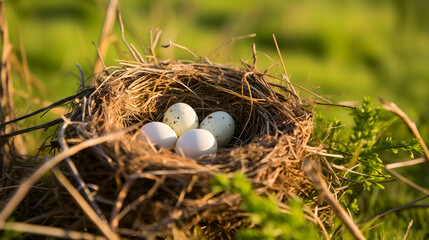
181 118
158 133
221 125
196 143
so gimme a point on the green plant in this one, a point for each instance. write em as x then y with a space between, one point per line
9 234
361 146
361 169
265 214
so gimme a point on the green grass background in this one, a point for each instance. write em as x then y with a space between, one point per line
342 50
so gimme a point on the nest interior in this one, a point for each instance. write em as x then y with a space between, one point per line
150 191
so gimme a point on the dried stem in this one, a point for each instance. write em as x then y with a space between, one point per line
100 223
232 40
390 106
312 170
82 77
408 229
75 172
391 166
30 129
408 182
106 31
285 76
298 86
335 105
410 204
47 108
153 43
405 163
48 231
171 43
132 51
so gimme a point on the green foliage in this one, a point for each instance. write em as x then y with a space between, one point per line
270 222
9 234
361 147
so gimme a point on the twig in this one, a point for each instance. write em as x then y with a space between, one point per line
48 231
102 225
82 78
408 229
348 170
391 166
316 219
105 32
335 105
408 182
312 171
123 38
30 129
170 43
372 227
322 152
255 56
100 58
244 79
390 106
285 76
138 54
116 218
72 167
153 43
295 85
406 163
233 40
29 182
410 204
58 103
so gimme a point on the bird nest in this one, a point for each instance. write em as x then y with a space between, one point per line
153 191
143 191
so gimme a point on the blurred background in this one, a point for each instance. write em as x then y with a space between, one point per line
340 49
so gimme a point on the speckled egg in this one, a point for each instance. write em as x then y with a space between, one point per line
181 118
221 125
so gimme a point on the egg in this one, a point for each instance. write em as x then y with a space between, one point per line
181 118
221 125
159 134
196 143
